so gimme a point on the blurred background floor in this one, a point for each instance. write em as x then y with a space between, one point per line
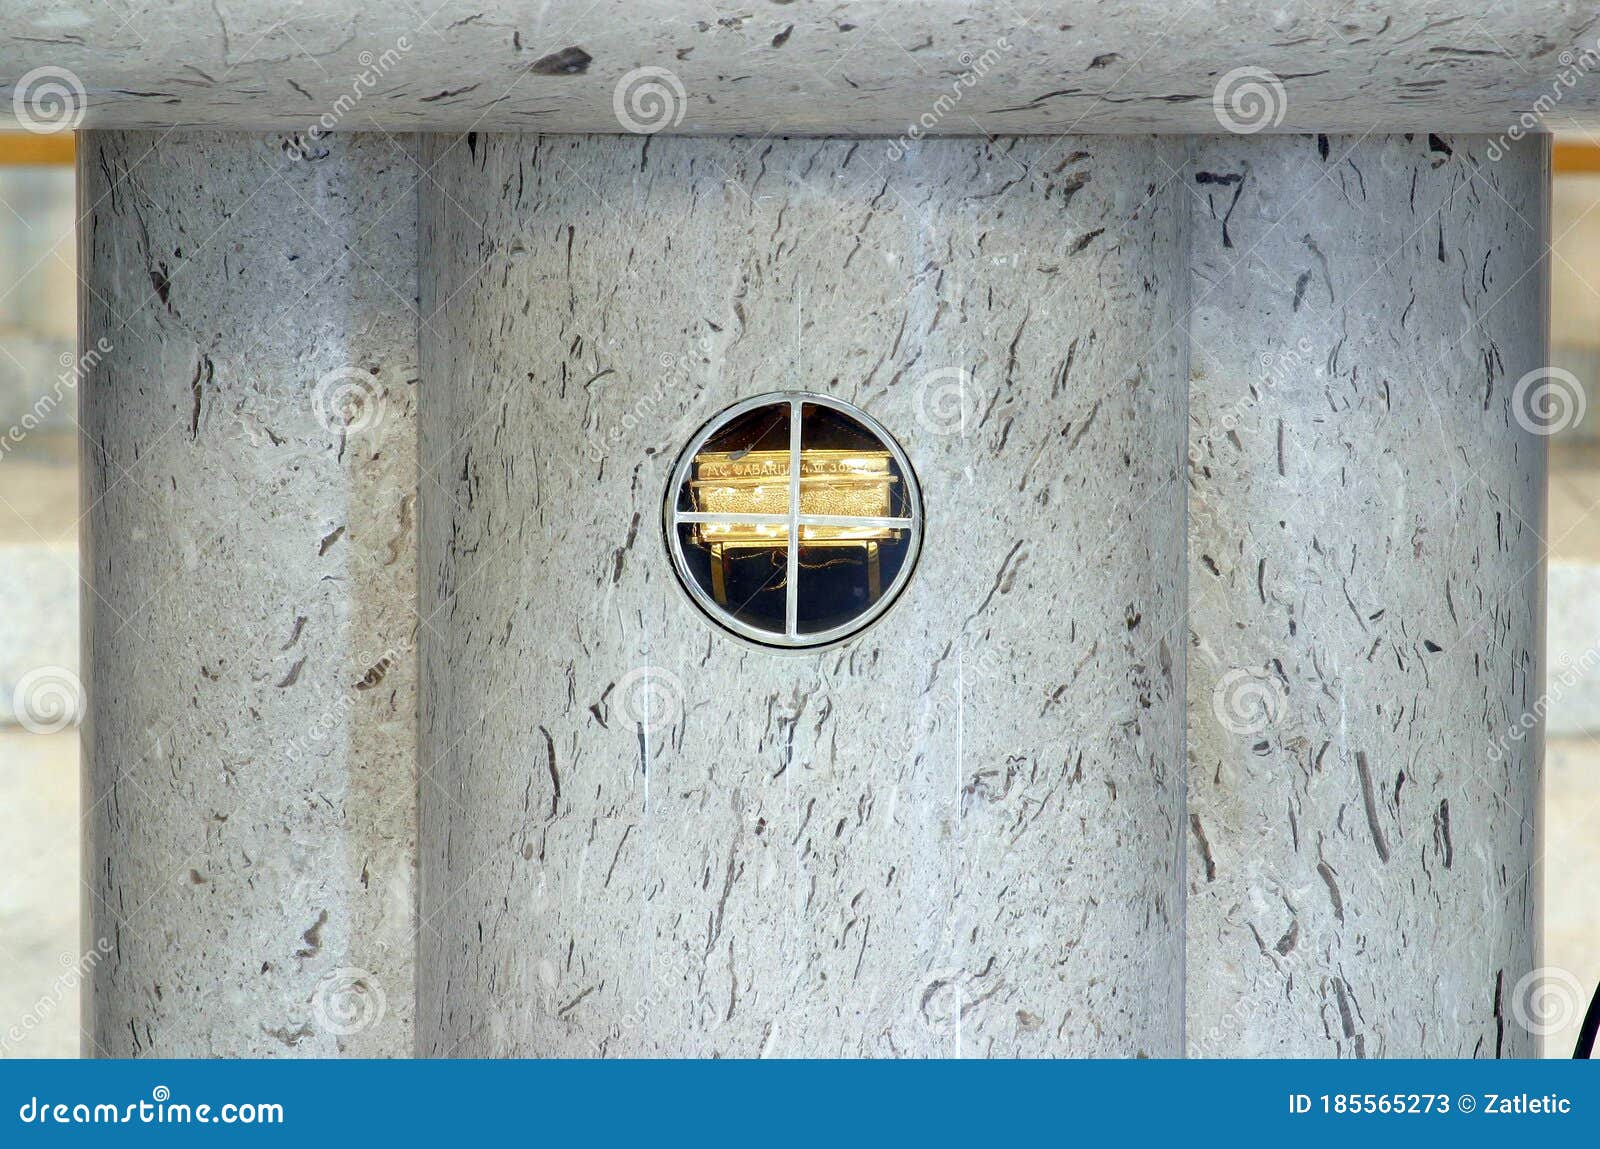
39 888
39 944
39 947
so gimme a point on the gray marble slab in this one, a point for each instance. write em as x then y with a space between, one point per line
882 67
960 834
249 610
1366 510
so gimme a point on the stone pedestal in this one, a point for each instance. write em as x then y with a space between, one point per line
959 834
962 833
1367 467
247 408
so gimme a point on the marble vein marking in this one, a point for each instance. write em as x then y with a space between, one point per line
959 834
1366 598
879 67
249 556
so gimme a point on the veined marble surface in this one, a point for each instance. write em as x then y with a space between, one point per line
963 833
249 617
1366 595
960 834
803 67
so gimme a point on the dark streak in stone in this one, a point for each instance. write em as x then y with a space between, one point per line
1369 799
447 94
1071 186
204 372
621 552
1236 181
722 902
1441 832
1499 1013
313 937
1290 938
375 674
612 869
1032 104
555 775
1347 1024
1002 583
1333 889
1205 847
573 1004
572 61
1085 240
161 280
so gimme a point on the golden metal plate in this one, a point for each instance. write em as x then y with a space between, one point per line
856 484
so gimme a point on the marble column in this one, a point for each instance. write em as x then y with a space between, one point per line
248 417
1367 452
959 834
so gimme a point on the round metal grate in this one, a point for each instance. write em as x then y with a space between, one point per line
793 520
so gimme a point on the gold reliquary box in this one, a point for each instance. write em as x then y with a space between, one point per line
837 484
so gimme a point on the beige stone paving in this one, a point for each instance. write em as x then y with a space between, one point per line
39 946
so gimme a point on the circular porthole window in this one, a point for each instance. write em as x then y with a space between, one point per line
793 520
